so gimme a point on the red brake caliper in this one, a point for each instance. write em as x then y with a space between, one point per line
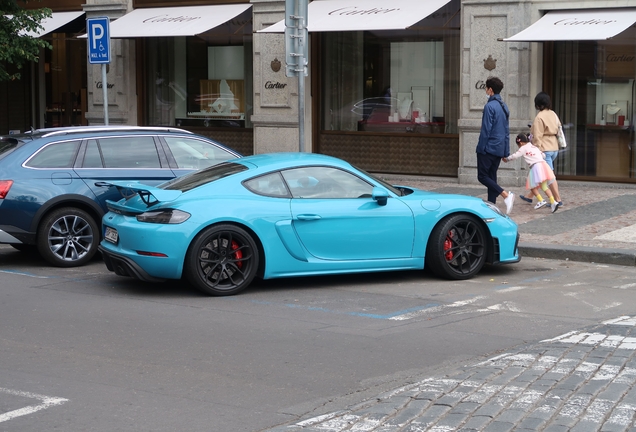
448 244
238 254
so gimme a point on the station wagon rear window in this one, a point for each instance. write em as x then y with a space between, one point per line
56 155
7 145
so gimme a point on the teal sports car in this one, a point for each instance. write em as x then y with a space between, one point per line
295 214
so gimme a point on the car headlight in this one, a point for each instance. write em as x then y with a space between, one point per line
167 216
494 208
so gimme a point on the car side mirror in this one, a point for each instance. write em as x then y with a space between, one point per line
380 195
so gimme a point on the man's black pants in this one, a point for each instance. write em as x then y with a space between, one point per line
487 166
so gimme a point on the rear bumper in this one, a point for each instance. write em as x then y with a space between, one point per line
11 234
124 266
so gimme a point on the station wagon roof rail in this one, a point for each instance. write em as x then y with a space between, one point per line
75 130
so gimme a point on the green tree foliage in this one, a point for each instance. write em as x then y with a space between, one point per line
17 43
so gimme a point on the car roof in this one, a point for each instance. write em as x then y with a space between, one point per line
102 129
272 161
69 130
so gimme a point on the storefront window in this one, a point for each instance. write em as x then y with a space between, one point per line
393 81
594 94
201 81
65 81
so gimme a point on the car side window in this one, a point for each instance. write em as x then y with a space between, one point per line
56 155
269 185
325 182
93 157
129 152
192 153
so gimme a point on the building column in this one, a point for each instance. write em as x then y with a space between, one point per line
121 73
483 55
275 117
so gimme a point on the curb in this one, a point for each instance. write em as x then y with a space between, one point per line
624 257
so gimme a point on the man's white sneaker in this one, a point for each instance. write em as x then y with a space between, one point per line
554 206
540 204
509 201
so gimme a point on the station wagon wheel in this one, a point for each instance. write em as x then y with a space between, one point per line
222 260
68 237
457 247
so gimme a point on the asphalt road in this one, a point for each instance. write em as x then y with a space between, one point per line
84 350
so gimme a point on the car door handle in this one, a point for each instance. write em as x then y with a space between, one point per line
308 217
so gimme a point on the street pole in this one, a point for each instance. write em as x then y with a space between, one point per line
105 93
296 54
301 85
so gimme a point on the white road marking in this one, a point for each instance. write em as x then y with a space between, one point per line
594 307
510 289
418 313
583 338
622 320
47 402
626 286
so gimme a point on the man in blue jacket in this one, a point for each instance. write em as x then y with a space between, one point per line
494 142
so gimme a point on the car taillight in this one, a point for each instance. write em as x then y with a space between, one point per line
5 185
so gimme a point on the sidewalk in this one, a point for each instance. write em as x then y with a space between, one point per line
597 222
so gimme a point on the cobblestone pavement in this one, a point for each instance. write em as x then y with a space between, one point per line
581 381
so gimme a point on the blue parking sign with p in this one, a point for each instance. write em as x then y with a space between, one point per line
98 33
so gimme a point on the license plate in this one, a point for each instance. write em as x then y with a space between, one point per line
111 235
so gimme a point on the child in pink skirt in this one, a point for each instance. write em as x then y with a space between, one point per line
539 175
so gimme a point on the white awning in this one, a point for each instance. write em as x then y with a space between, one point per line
57 20
358 15
587 24
174 21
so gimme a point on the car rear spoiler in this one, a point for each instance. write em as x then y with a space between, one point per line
150 195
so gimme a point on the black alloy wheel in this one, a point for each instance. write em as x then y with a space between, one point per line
457 247
222 260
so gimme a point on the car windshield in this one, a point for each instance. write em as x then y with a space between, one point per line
204 176
7 145
382 182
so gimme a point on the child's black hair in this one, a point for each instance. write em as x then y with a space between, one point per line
522 138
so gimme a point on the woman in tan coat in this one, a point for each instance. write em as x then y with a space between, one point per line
544 129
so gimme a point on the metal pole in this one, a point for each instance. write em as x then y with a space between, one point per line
301 103
301 82
105 92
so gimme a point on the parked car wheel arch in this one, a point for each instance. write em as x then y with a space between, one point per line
468 226
77 201
259 245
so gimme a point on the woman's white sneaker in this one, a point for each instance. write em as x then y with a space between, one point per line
540 204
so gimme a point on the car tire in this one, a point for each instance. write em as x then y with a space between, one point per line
457 247
222 260
68 237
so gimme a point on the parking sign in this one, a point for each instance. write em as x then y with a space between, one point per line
98 33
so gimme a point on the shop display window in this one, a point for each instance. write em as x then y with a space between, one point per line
64 78
594 92
404 81
205 80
